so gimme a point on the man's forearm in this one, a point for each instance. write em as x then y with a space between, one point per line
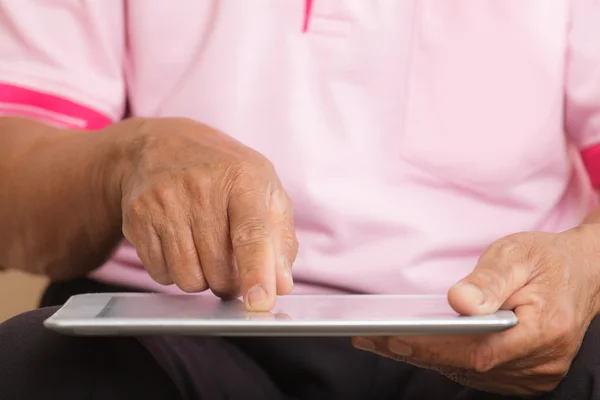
59 207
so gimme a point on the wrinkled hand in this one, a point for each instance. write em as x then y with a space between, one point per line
550 280
204 211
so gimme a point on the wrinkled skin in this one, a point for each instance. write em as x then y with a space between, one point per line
206 212
549 280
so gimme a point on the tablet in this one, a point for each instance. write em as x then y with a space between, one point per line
137 314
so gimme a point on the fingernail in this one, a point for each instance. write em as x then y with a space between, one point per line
257 296
400 348
472 292
287 270
364 344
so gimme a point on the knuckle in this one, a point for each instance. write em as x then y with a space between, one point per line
555 370
135 209
190 283
165 196
563 335
225 287
562 326
191 180
542 387
259 160
223 279
518 247
251 270
250 168
507 248
229 180
192 286
240 169
291 246
162 278
483 358
493 281
197 181
241 186
430 358
127 230
150 203
249 233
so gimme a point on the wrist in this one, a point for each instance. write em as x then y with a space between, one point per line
125 139
113 165
590 235
584 240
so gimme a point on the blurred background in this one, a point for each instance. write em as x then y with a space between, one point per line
19 292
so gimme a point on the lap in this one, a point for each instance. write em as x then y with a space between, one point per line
35 362
276 368
38 363
327 368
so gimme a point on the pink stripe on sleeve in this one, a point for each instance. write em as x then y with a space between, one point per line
15 100
591 160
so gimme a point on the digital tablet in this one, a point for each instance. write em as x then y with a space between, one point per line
137 314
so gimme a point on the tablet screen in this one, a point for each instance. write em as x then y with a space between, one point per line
300 307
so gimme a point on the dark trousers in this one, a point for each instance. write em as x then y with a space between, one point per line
38 364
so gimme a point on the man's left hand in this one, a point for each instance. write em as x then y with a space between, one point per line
552 283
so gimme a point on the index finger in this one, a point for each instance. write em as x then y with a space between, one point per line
253 248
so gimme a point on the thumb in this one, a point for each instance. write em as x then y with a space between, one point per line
493 281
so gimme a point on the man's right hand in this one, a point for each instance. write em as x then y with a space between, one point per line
204 211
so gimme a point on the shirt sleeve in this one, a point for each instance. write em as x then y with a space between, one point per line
582 84
61 61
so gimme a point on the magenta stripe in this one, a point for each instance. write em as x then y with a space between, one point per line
591 159
307 13
18 95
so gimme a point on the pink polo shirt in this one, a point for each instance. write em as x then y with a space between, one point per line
410 134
